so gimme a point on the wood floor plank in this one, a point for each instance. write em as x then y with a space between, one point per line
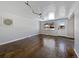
39 46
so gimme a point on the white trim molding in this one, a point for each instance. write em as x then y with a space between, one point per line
17 39
76 53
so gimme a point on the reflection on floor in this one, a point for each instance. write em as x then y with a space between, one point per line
39 46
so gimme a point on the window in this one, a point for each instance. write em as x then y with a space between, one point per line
51 16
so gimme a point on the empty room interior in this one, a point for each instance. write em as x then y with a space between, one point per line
39 29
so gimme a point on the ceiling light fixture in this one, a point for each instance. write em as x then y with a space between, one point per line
51 16
39 14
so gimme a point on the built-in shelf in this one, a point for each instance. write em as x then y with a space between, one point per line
49 29
49 26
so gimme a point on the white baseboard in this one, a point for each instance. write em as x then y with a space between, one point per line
17 39
76 53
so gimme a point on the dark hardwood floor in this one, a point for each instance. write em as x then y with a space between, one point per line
39 46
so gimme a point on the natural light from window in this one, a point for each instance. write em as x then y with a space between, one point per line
51 16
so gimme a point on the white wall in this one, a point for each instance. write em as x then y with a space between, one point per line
76 11
24 22
70 26
62 32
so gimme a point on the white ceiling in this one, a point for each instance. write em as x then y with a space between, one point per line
43 5
19 7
